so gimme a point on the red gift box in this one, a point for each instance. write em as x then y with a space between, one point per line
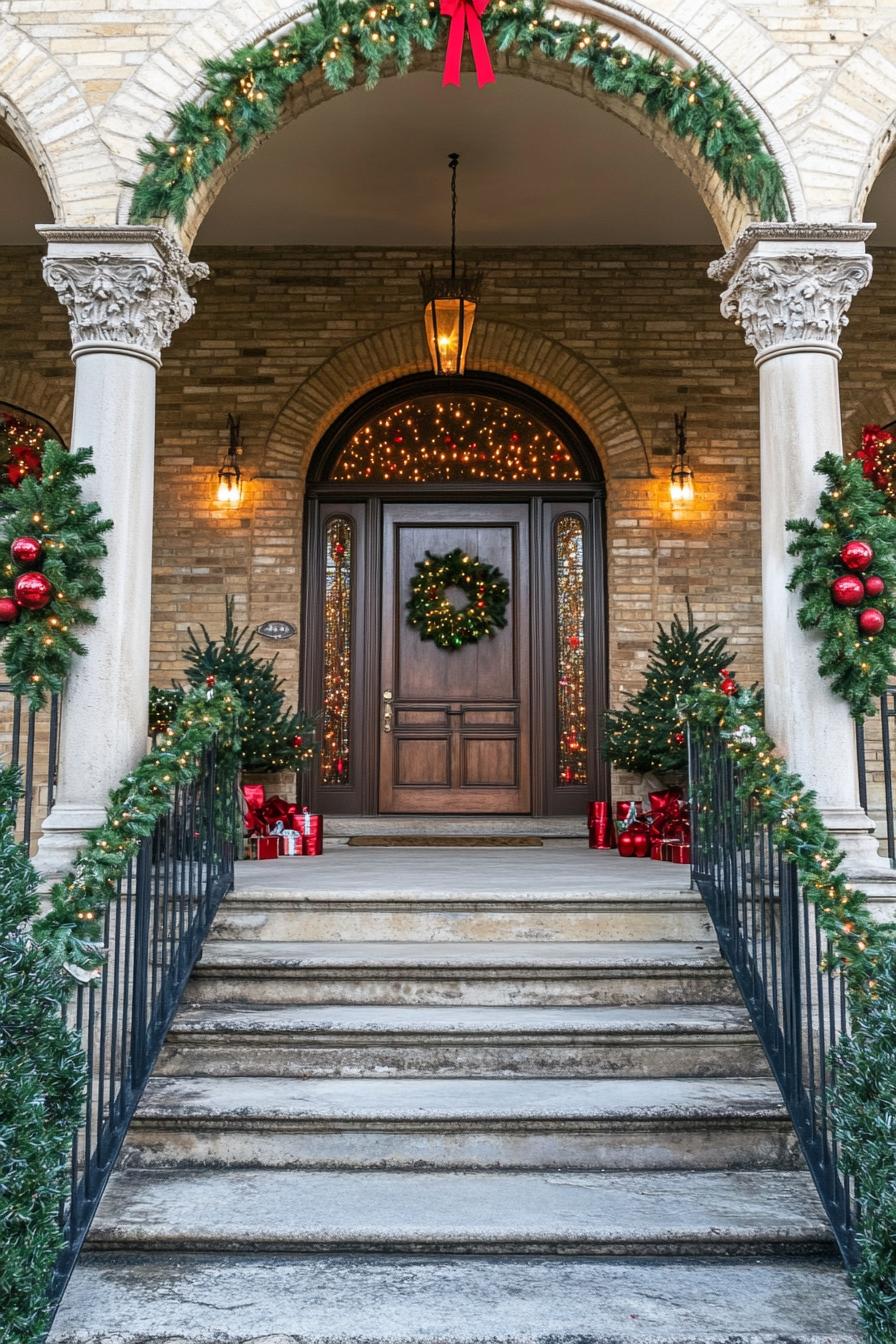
656 849
311 824
600 828
677 851
627 809
265 846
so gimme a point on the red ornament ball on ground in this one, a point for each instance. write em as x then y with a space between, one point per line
856 554
874 585
871 621
626 845
848 590
9 610
32 591
26 550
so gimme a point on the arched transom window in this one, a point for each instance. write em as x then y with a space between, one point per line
456 437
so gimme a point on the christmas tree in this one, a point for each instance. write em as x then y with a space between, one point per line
41 1092
647 734
846 576
273 737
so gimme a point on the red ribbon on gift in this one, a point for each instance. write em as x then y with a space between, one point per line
465 16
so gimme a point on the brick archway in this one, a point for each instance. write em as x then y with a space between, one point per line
499 347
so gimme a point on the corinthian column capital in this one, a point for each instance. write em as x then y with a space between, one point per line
127 289
789 286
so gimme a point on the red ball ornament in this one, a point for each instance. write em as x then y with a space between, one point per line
678 739
32 591
26 550
729 686
210 679
848 590
874 585
9 610
871 621
856 554
297 740
626 845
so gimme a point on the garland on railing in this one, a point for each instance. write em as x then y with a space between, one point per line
780 800
863 950
244 92
71 926
41 1091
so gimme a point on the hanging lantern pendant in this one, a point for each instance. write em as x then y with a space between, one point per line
450 302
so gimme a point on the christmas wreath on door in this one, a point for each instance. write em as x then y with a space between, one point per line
448 626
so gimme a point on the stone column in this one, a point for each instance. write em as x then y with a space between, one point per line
789 287
126 290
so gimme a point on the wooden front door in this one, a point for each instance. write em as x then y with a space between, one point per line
454 725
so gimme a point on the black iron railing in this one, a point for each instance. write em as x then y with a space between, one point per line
153 931
768 934
874 740
29 739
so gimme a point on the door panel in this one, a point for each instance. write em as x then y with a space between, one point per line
458 740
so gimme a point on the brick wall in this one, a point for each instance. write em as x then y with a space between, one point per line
284 337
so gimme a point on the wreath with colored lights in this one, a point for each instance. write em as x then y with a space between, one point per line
448 626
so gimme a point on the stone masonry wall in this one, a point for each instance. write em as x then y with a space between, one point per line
270 323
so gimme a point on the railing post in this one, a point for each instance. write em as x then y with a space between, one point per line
140 961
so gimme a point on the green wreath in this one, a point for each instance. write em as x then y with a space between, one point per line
438 619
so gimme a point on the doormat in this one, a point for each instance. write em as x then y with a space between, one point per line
446 841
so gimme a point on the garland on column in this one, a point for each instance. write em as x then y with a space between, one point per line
878 458
846 577
53 540
243 93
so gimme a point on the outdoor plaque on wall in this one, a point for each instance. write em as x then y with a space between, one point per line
275 630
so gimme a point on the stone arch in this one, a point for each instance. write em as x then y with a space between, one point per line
50 400
853 133
499 347
56 130
146 99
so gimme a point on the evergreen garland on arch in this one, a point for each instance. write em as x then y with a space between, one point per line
450 627
244 92
37 647
859 666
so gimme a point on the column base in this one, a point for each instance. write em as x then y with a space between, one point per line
62 837
863 863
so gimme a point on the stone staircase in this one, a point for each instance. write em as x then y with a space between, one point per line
396 1117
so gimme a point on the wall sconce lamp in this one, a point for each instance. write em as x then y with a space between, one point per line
681 479
230 478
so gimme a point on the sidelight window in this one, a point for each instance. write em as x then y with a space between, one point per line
569 609
335 743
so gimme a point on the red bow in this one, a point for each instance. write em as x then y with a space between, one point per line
465 15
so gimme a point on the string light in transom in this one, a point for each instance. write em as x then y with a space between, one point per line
462 438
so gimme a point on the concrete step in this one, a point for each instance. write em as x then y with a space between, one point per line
436 1123
540 974
418 913
357 1040
585 1212
239 1299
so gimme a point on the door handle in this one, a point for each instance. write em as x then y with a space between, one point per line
387 711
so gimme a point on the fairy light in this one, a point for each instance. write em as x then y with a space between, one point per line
572 712
464 438
334 749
